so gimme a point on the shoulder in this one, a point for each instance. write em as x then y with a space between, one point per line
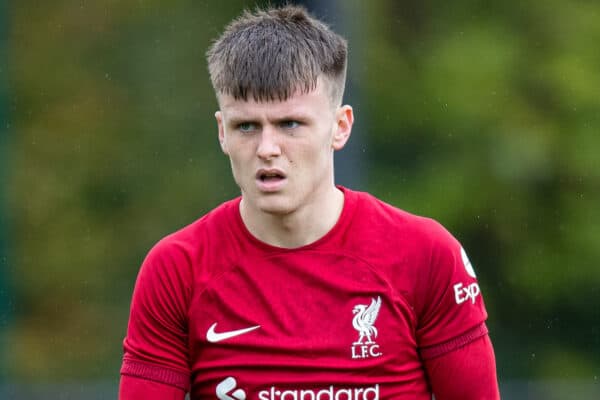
194 235
211 222
179 252
400 224
415 250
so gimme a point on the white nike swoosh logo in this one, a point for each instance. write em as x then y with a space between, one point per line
215 337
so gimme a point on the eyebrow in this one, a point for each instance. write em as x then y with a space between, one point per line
238 119
293 117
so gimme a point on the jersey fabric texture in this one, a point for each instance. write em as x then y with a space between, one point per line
351 316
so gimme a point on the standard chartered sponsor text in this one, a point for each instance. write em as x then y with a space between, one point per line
330 393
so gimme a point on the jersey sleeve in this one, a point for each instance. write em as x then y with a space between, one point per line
156 344
449 304
466 373
131 388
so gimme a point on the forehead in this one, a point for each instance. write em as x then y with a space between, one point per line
314 102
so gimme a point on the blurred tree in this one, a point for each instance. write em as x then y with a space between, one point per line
6 300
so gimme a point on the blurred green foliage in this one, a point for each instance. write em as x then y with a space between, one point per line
483 115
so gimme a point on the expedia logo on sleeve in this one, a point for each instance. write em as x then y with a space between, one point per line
470 292
464 293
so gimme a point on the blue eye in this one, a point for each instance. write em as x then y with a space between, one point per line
247 127
290 124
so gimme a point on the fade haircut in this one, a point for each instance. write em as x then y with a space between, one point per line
271 54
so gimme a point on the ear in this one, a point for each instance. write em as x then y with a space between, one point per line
344 119
222 142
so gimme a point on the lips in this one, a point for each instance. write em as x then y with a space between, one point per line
264 175
270 179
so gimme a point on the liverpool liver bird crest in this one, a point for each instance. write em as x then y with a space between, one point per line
364 319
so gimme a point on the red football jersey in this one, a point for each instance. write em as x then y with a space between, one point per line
348 317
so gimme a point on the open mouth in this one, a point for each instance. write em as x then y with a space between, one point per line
270 177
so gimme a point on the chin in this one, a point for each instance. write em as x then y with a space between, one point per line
275 206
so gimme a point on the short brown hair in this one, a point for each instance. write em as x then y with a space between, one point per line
270 54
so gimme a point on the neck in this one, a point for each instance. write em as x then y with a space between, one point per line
298 228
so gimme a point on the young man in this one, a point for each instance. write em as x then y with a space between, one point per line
300 289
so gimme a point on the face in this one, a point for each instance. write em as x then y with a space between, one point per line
281 152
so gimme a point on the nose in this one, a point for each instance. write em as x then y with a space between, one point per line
268 146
